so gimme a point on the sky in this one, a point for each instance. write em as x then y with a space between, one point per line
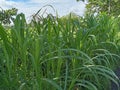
30 7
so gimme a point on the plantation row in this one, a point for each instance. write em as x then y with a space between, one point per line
54 53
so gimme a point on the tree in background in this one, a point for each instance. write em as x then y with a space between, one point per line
7 15
111 7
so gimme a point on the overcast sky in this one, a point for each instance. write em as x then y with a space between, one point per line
29 7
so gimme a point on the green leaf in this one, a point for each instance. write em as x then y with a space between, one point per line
52 83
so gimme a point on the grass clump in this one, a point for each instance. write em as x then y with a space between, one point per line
60 54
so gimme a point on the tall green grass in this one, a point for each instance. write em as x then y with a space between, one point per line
60 54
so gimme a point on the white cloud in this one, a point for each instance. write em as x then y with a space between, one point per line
39 1
78 8
6 4
63 7
49 1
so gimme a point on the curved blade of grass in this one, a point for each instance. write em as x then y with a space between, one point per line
52 83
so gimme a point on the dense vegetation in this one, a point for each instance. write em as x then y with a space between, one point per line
7 15
111 7
60 53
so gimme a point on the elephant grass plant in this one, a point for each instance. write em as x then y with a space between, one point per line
57 54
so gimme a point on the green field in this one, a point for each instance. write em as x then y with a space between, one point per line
52 53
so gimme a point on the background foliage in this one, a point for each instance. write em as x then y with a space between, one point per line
111 7
7 15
